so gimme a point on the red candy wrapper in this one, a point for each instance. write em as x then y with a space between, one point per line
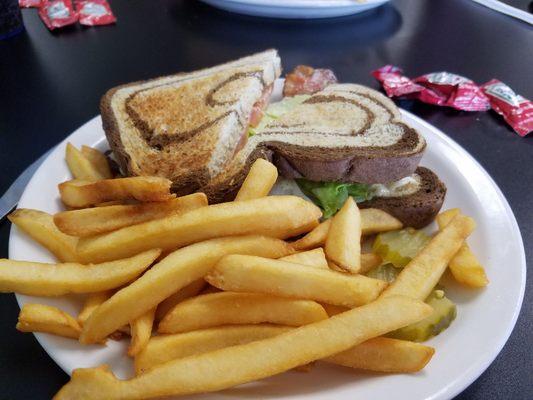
440 88
30 3
95 12
516 110
57 13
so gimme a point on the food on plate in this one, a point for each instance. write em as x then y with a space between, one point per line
378 354
191 290
400 247
81 193
229 308
244 363
312 258
259 180
47 319
242 273
169 275
97 220
423 272
343 243
385 272
464 266
369 261
99 161
141 331
275 216
80 166
444 312
150 132
41 228
92 301
372 221
307 80
39 279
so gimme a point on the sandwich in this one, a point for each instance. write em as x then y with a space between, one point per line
328 142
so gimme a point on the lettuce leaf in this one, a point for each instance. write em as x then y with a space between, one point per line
330 196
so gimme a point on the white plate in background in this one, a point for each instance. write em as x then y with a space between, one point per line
485 318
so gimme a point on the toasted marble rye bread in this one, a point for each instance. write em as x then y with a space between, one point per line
187 127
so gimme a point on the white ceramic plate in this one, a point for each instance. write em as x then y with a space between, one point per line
301 9
485 317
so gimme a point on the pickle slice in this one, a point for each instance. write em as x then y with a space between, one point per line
385 272
444 312
399 247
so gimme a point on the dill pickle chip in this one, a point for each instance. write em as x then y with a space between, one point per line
385 272
444 312
399 247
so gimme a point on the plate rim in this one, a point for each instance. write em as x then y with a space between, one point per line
473 371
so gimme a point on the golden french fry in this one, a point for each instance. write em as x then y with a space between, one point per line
332 310
174 272
385 355
235 365
419 277
112 203
98 160
192 289
39 279
228 308
369 261
379 354
464 266
41 228
312 258
259 181
47 319
93 221
91 303
141 330
80 166
163 348
373 221
242 273
343 244
83 193
275 216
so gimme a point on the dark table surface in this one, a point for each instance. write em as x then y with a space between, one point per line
50 83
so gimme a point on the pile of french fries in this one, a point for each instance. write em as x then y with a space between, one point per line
214 296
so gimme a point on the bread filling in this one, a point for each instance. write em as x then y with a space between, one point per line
403 187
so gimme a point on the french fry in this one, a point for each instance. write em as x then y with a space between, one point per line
80 166
93 221
312 258
464 266
275 216
91 303
332 310
373 221
242 273
141 330
379 354
369 261
385 355
236 365
192 289
163 348
229 308
174 272
47 319
343 244
41 228
98 160
83 193
419 277
259 181
39 279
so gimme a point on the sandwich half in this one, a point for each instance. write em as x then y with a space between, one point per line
187 127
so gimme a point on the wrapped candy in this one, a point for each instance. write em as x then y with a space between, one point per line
57 13
30 3
95 12
516 110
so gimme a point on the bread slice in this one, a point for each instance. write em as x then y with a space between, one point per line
345 133
417 209
186 127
